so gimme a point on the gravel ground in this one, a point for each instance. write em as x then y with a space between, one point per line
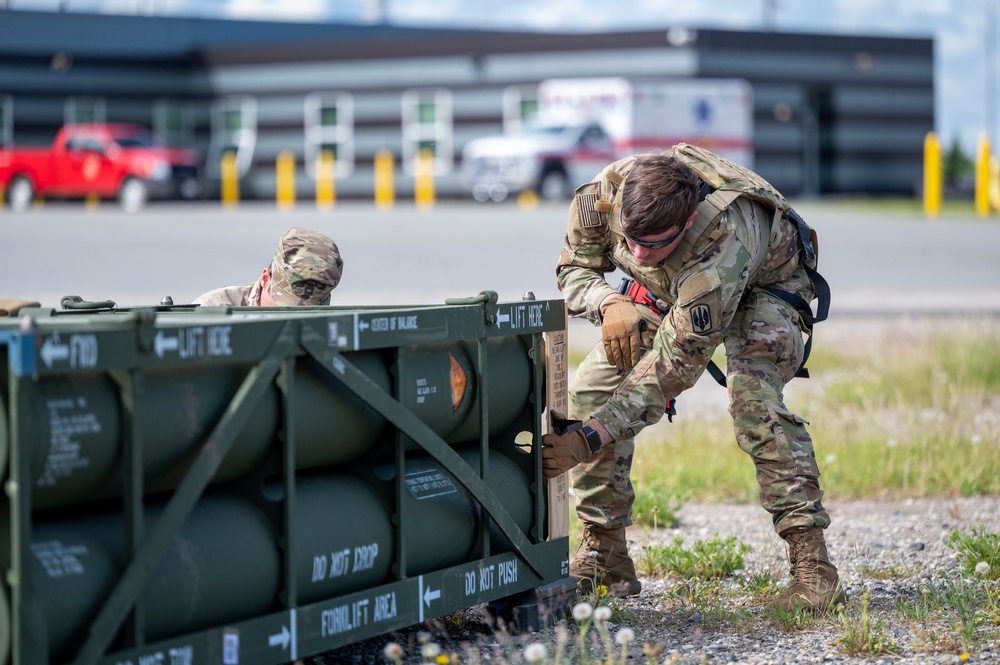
888 548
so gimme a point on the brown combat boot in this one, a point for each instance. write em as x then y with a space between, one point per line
815 584
602 560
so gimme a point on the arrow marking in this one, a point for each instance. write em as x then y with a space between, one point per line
52 350
430 595
282 638
161 343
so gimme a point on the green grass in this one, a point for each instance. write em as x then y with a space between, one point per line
909 206
864 633
978 551
706 559
914 413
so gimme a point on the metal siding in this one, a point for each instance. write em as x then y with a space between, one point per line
775 136
808 67
402 72
889 136
880 176
88 79
897 102
608 62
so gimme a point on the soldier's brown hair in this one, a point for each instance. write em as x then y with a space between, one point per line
659 194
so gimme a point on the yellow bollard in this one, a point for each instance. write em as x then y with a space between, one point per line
284 178
385 194
994 187
326 189
92 202
423 186
932 175
230 180
983 177
527 199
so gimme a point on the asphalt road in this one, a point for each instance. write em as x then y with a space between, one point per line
875 263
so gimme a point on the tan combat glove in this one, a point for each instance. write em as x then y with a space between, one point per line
620 331
561 452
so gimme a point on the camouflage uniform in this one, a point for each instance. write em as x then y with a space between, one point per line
306 267
710 289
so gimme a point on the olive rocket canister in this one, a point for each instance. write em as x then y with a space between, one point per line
224 565
77 422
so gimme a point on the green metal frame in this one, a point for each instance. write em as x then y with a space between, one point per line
128 342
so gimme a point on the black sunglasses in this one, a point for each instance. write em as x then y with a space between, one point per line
649 245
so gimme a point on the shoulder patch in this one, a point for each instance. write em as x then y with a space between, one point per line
590 207
701 317
699 306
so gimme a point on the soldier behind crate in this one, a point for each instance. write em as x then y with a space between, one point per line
306 267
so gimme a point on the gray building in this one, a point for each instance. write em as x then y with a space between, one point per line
832 114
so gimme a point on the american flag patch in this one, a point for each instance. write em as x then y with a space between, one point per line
589 217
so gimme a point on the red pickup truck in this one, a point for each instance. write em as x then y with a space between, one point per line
114 160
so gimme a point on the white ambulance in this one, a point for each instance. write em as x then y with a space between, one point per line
582 125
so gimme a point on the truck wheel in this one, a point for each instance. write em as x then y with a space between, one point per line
553 186
21 193
132 195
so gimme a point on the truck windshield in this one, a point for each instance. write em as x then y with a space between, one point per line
138 140
545 130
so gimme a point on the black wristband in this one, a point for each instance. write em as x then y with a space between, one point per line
593 438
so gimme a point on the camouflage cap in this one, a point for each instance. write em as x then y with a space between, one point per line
306 268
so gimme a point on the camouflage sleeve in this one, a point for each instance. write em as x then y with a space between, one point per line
227 296
709 291
585 256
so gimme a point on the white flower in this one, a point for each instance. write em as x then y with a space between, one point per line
423 637
593 554
582 611
393 652
602 613
983 568
535 653
624 636
430 651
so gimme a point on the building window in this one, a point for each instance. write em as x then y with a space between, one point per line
329 123
84 109
520 106
6 121
234 130
427 127
173 121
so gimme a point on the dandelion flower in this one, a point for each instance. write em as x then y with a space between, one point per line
625 636
442 660
582 611
602 613
423 637
601 590
593 554
430 651
983 568
535 653
964 657
393 652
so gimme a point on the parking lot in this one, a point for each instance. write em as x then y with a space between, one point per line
876 263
